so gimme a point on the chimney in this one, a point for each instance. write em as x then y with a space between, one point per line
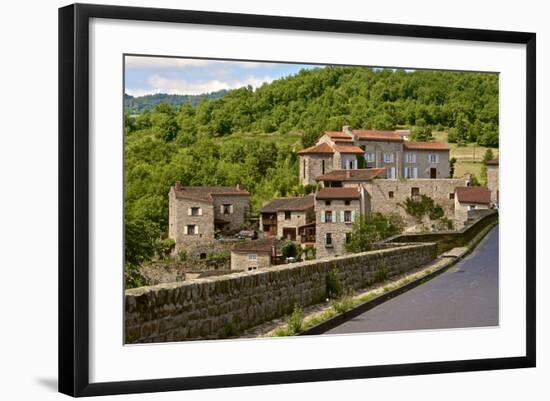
178 186
346 129
238 187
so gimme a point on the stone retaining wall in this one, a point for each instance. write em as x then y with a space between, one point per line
218 307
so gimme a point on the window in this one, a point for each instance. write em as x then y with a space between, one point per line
288 215
328 239
415 192
390 194
195 211
347 216
328 216
411 172
347 203
304 169
388 157
327 203
433 158
348 238
452 195
410 157
252 257
391 173
202 256
369 157
471 207
191 229
323 167
351 164
227 208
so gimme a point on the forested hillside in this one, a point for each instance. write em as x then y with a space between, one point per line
250 137
138 104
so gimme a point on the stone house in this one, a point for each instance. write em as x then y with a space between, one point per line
389 150
253 255
468 200
336 209
492 180
291 218
196 213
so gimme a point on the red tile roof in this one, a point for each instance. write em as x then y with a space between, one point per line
493 162
426 145
261 245
349 149
376 135
338 193
364 174
338 136
206 194
322 148
289 204
480 195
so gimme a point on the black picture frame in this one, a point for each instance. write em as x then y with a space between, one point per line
74 198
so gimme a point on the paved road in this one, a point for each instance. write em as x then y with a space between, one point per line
466 295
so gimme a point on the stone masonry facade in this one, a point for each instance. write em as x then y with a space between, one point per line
208 308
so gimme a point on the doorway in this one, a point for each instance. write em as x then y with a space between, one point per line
433 172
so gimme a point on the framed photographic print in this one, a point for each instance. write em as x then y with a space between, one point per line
250 199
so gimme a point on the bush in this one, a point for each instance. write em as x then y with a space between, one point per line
295 322
164 247
182 255
422 207
289 249
371 228
333 285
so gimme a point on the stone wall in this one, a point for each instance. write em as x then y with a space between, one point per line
240 206
213 308
311 167
492 182
450 239
378 148
439 190
337 228
242 261
179 218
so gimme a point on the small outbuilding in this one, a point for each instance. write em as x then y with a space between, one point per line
253 254
470 199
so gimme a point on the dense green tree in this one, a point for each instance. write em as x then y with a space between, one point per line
372 227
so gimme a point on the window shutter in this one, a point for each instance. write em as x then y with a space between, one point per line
437 158
323 218
196 229
353 216
415 172
185 230
342 217
221 209
189 211
200 211
231 209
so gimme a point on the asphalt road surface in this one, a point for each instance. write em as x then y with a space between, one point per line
466 295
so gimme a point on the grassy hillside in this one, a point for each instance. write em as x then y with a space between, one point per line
250 137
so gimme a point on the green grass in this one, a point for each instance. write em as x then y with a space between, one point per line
468 158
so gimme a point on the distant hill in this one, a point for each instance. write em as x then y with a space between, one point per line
138 104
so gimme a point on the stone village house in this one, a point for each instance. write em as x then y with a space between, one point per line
196 213
253 255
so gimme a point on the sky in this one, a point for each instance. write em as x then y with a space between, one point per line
150 75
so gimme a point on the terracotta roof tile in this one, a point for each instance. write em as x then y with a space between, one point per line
349 149
322 148
338 193
364 174
480 195
377 135
261 245
426 145
289 204
206 193
339 136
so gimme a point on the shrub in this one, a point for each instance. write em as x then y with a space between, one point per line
333 284
372 228
164 247
182 255
295 321
418 208
289 249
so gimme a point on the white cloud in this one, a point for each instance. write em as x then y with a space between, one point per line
172 62
159 84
